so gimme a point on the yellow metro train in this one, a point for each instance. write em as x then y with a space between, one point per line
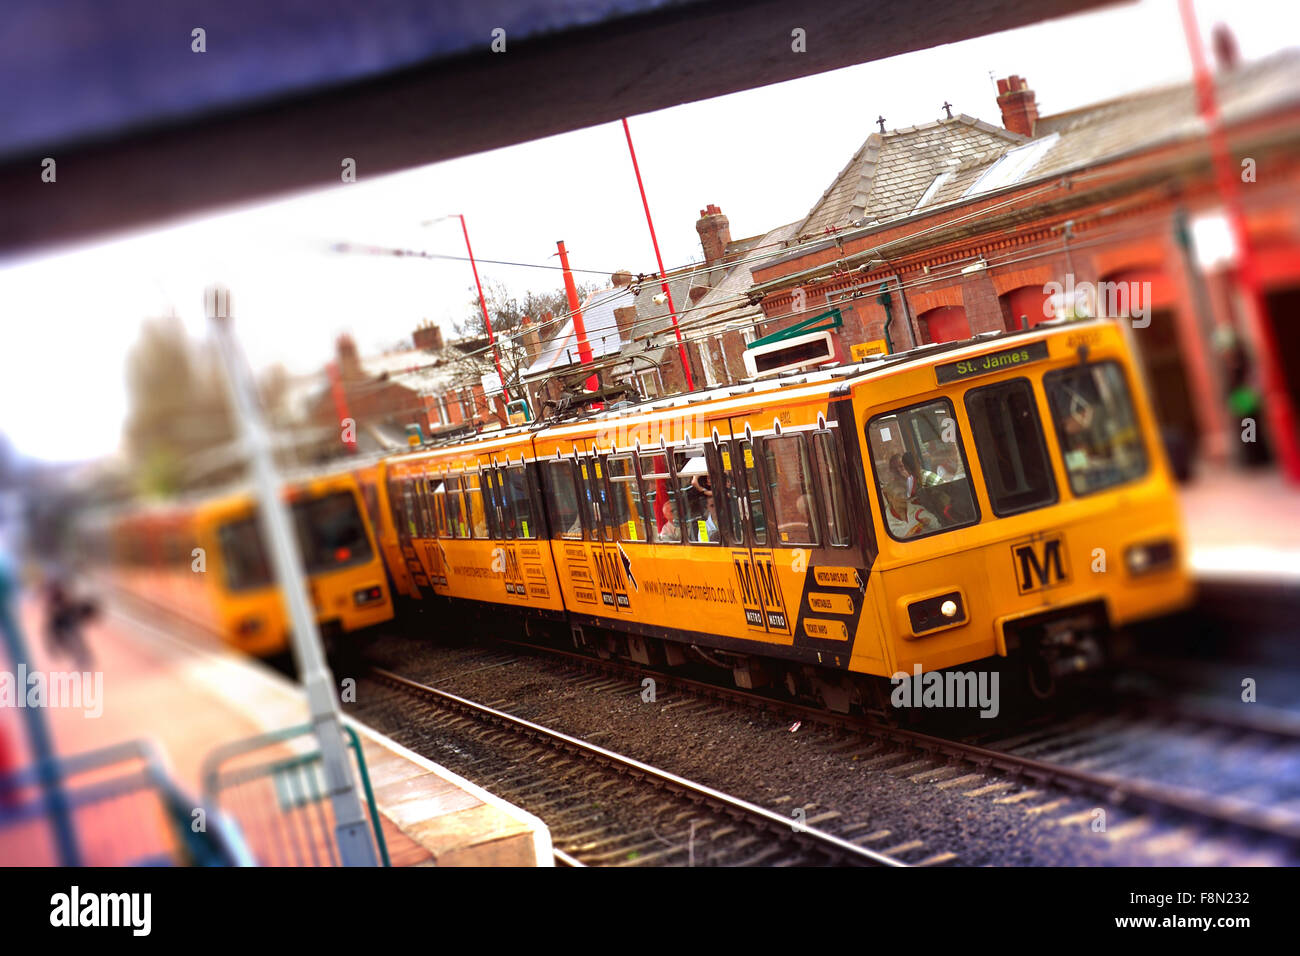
1000 499
205 562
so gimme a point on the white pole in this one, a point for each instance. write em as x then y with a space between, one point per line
352 830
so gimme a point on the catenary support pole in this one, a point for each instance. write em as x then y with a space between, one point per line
681 346
351 829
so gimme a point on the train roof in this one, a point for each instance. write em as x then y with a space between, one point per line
832 378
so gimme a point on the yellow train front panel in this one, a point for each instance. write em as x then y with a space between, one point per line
1043 528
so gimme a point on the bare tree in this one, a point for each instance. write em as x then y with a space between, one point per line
508 312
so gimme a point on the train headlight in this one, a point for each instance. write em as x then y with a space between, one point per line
937 612
1149 557
368 596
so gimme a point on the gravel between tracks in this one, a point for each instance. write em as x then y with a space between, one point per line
924 807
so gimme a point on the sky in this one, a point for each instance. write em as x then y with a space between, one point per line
71 317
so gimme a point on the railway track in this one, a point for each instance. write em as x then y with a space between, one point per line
604 808
1106 755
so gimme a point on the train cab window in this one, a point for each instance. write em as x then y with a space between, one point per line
455 508
475 516
790 489
656 487
625 499
826 449
754 492
331 532
565 517
1009 441
729 507
699 523
1096 426
516 502
920 466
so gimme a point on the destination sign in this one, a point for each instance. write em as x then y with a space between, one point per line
992 362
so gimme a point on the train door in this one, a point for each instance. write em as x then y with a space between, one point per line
752 556
408 531
610 574
503 529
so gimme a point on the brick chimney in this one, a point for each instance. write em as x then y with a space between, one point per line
1019 108
715 234
349 361
532 339
428 336
624 316
1226 52
626 319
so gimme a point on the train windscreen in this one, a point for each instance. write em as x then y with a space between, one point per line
331 534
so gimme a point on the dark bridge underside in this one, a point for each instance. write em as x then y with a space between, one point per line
143 129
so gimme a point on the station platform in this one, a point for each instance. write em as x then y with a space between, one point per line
1242 525
189 695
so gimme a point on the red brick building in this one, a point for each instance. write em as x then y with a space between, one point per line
431 384
971 227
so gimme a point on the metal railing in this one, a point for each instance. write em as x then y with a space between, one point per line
123 810
274 785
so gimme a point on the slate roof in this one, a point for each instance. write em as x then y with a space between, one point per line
561 349
890 173
1140 121
731 289
923 167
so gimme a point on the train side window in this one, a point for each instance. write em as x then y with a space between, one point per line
656 487
699 522
439 498
730 509
920 467
455 508
790 494
625 499
517 503
427 484
491 511
1009 441
565 517
826 449
592 500
475 517
754 492
507 524
417 506
408 497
